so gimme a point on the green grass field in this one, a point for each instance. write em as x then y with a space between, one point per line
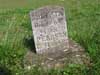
83 19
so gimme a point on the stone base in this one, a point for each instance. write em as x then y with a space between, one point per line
74 55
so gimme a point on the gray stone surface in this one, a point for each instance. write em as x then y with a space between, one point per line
49 29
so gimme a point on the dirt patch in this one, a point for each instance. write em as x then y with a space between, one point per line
75 54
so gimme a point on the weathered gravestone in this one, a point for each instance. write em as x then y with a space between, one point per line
49 29
54 48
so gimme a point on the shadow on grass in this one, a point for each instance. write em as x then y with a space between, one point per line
4 71
29 43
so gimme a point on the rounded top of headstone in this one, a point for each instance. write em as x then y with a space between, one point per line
48 8
45 10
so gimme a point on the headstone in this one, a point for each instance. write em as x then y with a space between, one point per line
49 29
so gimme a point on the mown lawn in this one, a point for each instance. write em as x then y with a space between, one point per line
83 19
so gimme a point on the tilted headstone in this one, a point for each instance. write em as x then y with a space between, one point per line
49 29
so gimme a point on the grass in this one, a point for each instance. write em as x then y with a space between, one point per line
83 19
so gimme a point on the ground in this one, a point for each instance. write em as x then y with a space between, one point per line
72 54
83 19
